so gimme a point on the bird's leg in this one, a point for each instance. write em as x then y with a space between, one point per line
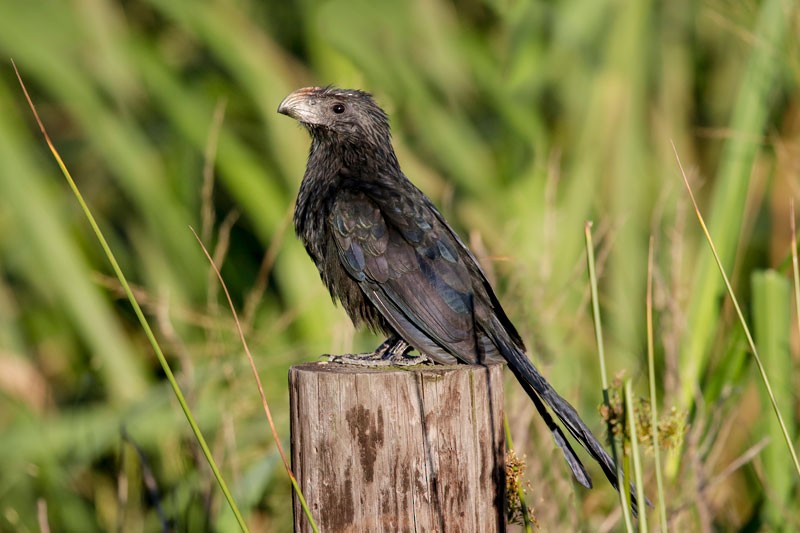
392 352
395 350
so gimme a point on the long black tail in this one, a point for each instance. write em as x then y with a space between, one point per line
542 393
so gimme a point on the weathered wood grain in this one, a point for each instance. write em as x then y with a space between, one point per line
417 449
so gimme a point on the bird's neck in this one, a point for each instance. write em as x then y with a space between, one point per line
358 158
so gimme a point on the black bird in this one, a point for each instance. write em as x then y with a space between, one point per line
386 253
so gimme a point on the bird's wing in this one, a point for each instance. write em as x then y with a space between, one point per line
409 268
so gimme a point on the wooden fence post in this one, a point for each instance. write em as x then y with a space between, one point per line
418 450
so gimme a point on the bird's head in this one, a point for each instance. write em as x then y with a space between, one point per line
345 114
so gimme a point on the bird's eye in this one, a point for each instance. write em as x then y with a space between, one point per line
338 108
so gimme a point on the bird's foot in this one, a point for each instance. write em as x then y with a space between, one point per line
392 352
371 359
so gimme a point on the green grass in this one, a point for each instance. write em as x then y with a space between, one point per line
522 120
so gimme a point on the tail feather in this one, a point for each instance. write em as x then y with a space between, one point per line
542 393
575 464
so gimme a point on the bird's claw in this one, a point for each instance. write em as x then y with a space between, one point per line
393 352
377 360
359 359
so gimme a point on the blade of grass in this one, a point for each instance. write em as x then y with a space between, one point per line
264 402
795 267
598 327
137 310
209 157
622 480
739 313
750 115
636 458
651 374
771 310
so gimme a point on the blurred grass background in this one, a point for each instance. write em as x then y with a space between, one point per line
520 119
